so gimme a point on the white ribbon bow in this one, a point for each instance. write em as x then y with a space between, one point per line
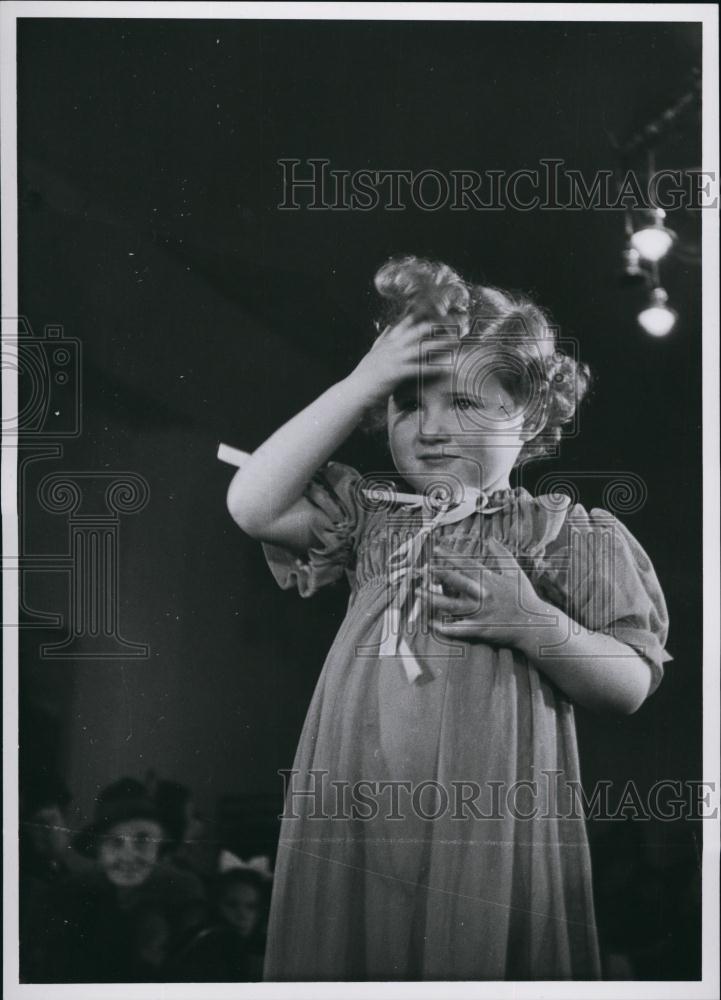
229 862
403 562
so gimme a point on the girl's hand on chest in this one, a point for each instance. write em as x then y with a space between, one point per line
494 602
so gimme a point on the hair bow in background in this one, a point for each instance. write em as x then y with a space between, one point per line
259 863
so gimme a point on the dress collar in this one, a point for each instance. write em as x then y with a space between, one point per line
433 507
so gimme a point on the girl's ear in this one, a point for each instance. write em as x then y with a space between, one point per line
529 430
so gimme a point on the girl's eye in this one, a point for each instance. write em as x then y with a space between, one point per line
408 405
466 403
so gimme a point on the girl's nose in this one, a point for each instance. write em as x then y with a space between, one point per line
126 849
435 426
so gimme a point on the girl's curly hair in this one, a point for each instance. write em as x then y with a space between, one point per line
535 371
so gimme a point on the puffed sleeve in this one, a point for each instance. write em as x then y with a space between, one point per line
333 491
602 577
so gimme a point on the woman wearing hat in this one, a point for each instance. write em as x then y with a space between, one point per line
120 921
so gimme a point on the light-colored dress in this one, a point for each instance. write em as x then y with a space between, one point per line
483 872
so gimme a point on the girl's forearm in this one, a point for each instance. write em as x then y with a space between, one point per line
275 475
593 668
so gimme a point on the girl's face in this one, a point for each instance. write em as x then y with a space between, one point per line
129 850
240 905
457 423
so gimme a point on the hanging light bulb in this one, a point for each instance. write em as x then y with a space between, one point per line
632 272
658 318
653 241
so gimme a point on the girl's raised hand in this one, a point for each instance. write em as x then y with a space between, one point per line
495 604
394 357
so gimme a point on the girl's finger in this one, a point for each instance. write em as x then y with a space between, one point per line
502 557
397 331
461 629
441 603
458 580
418 330
444 551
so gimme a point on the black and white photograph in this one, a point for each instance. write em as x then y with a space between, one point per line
360 492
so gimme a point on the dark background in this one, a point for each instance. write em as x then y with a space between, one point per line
149 230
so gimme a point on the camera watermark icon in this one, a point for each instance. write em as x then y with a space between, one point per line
49 380
48 370
502 383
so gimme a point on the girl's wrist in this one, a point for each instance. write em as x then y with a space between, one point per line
532 631
363 389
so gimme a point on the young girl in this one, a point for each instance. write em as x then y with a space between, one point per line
433 827
230 948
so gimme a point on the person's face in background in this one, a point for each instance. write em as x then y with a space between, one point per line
240 905
129 850
48 833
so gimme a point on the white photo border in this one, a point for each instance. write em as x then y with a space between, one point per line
705 14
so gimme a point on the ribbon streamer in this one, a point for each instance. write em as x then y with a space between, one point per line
402 563
406 559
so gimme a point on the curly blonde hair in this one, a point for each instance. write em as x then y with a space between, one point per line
511 321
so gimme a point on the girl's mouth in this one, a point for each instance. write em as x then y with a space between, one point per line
128 871
436 456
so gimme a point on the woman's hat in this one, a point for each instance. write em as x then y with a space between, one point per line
124 800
